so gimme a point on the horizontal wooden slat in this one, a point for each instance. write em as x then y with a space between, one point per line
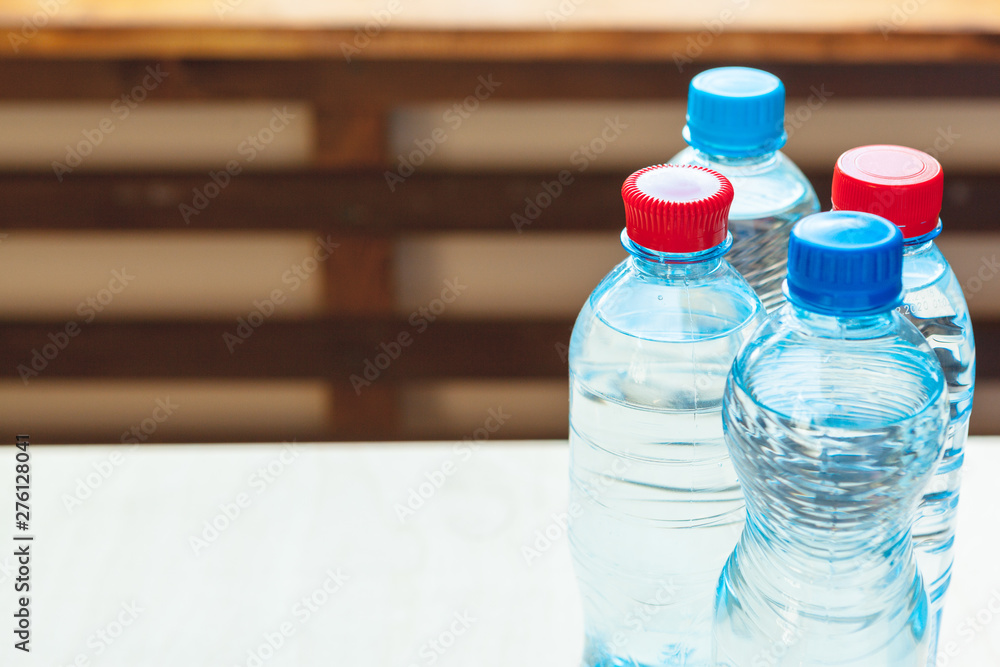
333 349
363 203
853 43
338 86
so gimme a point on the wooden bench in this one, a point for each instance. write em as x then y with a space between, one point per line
240 50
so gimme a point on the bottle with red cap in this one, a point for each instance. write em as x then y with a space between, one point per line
905 186
655 507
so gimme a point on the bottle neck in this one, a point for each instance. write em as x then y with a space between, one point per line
911 249
669 264
736 162
922 243
866 325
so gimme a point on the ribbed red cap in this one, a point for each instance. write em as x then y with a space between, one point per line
677 208
903 185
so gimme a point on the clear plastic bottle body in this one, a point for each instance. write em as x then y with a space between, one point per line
655 507
933 302
771 194
835 426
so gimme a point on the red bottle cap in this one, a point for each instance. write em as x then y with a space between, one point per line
677 208
903 185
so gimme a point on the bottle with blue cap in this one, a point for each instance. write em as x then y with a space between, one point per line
654 507
735 126
834 419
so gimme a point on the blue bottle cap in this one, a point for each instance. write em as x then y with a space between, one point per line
845 263
736 112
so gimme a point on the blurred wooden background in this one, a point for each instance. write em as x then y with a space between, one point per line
220 215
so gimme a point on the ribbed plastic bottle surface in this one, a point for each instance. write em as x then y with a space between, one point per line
833 442
934 303
835 417
655 505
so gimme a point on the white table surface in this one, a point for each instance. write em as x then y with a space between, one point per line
125 555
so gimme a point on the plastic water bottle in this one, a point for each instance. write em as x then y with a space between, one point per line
905 186
655 508
834 417
735 126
